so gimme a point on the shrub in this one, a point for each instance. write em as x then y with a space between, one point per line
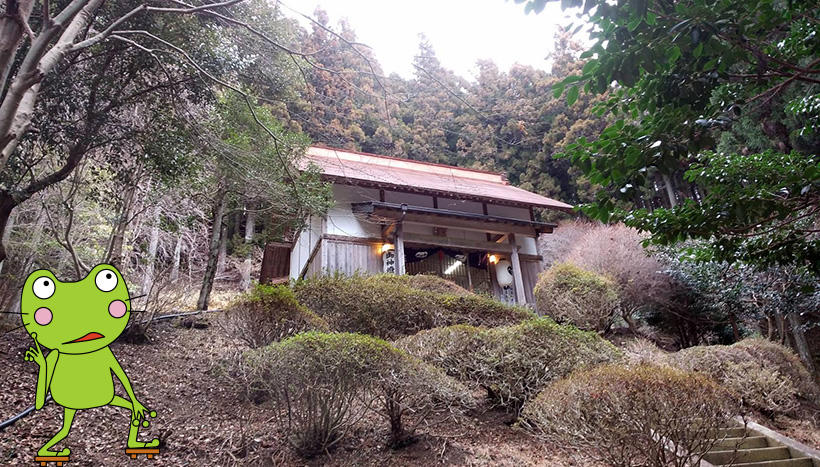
267 314
767 375
389 306
570 294
511 362
435 284
322 384
628 416
615 251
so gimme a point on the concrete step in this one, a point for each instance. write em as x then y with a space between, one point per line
797 462
747 455
749 442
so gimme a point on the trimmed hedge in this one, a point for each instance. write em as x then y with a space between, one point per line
573 295
627 416
391 306
767 375
266 314
321 384
513 362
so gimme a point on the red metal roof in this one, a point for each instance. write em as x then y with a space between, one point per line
384 171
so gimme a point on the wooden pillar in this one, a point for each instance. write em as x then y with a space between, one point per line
400 249
518 279
467 265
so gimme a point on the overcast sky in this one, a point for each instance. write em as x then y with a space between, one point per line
461 31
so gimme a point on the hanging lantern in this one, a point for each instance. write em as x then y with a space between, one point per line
504 273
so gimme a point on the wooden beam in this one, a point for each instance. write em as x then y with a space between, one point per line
518 278
466 224
457 243
400 269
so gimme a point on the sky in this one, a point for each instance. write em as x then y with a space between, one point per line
460 31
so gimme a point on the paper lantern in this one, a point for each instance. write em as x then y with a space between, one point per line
503 273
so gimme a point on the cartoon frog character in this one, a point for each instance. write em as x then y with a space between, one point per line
78 321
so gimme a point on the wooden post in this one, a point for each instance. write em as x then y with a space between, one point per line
518 279
467 265
399 249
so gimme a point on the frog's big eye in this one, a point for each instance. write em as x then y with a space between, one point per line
106 280
43 287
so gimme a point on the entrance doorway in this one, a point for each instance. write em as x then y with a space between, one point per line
469 270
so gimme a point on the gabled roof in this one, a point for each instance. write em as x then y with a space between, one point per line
356 168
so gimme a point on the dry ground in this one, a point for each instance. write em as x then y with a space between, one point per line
202 420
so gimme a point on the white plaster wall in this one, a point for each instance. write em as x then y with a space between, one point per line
300 253
340 218
528 245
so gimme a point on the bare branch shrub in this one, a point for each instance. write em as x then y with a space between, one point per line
408 386
615 251
322 384
267 314
567 293
632 416
766 375
391 306
514 362
555 247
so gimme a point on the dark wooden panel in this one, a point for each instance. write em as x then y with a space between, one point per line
275 262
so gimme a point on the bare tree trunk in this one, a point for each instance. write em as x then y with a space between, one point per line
217 232
7 236
11 34
781 328
114 253
800 343
177 255
223 250
250 227
670 190
153 244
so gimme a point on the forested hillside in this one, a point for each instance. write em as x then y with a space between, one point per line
503 121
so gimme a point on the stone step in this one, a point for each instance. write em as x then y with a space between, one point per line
749 442
729 432
747 455
797 462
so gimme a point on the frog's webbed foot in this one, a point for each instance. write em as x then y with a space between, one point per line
43 452
139 444
132 434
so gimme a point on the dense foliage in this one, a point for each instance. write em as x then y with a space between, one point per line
390 306
512 363
267 314
627 416
567 293
714 110
766 375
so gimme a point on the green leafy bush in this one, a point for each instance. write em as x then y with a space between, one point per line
267 314
570 294
627 416
322 384
511 362
767 375
391 306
